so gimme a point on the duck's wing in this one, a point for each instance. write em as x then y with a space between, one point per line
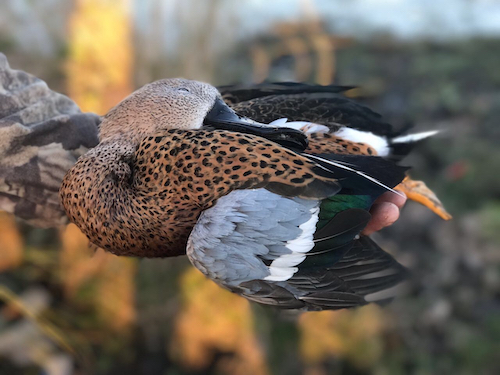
327 115
300 253
42 134
303 102
266 248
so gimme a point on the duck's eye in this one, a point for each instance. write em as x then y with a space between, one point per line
183 89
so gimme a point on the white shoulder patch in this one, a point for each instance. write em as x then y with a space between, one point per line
379 143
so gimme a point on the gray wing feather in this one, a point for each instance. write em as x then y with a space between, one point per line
237 242
234 241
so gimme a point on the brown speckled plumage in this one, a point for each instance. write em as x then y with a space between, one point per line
145 202
142 189
320 143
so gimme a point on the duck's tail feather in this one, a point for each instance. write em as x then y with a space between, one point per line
403 144
411 138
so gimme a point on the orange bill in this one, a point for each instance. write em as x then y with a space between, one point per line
419 192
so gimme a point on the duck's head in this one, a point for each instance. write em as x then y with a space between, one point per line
161 105
183 104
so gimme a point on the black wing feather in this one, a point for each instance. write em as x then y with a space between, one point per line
341 275
332 110
385 171
233 94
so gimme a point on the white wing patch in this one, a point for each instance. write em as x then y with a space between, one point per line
379 143
284 267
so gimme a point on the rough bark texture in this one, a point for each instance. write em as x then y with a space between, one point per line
42 134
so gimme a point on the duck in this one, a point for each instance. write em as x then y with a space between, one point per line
266 188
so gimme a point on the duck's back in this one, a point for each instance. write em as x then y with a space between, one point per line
319 104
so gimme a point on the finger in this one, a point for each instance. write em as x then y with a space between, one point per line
383 215
391 197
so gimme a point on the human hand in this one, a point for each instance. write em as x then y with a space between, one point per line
384 211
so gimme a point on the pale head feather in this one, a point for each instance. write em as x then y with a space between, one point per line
165 104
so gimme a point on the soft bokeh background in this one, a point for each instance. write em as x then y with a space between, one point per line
435 64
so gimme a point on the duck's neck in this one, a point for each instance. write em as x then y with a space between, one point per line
100 197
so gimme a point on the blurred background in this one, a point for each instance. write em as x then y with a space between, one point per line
66 309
